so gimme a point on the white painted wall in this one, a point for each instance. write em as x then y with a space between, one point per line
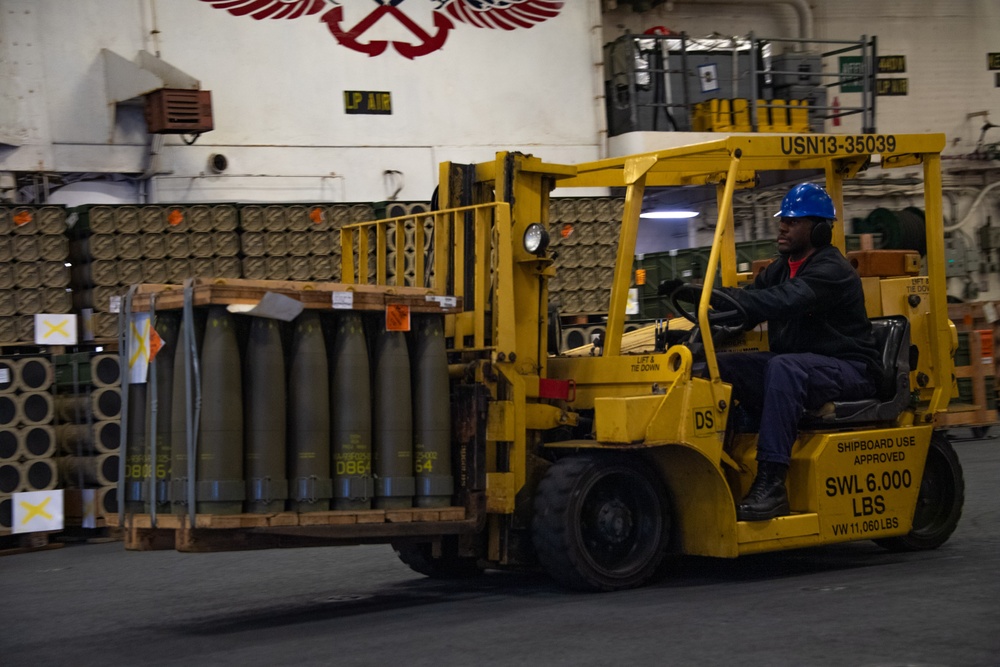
277 89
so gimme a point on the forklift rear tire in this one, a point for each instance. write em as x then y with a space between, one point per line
939 504
602 523
419 556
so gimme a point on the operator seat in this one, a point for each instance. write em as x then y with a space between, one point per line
892 395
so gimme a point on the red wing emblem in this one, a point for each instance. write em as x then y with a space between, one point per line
270 9
502 14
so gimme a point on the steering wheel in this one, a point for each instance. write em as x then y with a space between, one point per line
727 312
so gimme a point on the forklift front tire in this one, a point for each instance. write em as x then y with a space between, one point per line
601 523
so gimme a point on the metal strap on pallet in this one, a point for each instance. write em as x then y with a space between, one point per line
355 488
192 380
223 490
394 486
136 490
220 490
265 489
124 336
163 488
311 489
435 485
153 409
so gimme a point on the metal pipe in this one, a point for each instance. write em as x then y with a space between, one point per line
736 67
801 7
600 102
153 414
123 343
193 386
972 208
754 94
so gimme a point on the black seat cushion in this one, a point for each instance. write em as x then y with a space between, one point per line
892 391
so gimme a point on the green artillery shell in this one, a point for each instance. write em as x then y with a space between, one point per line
221 489
136 449
166 325
431 414
351 407
180 401
264 392
392 423
310 486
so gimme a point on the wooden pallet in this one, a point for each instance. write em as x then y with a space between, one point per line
216 532
317 295
11 545
964 414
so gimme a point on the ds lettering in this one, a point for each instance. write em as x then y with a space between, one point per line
703 419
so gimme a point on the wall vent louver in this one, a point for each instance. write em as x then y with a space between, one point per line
179 111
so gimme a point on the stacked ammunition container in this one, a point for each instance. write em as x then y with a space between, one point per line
329 412
118 246
295 241
33 272
412 212
27 437
88 424
584 235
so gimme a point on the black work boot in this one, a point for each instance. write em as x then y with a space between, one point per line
767 497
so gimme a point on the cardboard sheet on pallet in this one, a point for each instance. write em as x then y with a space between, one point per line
318 295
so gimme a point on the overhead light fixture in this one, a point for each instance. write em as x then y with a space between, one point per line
668 215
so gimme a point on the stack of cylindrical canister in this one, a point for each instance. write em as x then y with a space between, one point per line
327 412
88 406
584 236
295 241
27 437
412 214
33 274
117 246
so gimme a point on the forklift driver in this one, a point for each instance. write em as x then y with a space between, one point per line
821 346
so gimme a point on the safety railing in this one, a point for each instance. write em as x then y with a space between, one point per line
680 83
452 252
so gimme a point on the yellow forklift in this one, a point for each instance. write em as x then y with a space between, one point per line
595 467
598 466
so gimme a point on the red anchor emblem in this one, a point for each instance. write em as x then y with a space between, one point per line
350 38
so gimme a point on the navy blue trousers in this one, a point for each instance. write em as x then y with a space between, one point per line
775 390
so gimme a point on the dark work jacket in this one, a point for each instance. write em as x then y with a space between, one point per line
821 310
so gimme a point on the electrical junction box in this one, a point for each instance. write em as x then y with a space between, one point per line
178 111
797 69
955 257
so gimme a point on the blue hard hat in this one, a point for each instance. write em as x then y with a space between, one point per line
807 200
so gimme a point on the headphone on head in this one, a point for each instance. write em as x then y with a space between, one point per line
822 233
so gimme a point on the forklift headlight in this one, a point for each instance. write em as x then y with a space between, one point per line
536 239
